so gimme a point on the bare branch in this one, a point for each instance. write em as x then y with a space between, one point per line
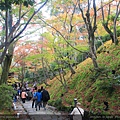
84 18
71 26
105 5
102 12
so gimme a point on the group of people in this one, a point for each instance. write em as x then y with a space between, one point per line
22 92
39 97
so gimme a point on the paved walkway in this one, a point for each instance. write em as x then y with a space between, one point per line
25 111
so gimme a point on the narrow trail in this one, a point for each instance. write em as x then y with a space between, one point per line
24 111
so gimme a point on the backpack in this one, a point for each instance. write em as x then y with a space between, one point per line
35 96
47 96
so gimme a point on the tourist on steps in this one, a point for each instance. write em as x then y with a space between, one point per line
39 97
34 96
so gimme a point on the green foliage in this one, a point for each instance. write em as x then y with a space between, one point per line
118 31
90 86
74 81
6 4
81 57
53 65
105 85
106 38
1 50
28 2
89 98
27 74
58 102
0 70
6 93
112 17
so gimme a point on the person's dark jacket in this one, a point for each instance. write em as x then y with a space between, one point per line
45 95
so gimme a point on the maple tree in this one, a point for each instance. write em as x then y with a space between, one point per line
64 16
28 57
64 28
91 27
65 25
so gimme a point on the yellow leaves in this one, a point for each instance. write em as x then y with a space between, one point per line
12 81
85 62
108 43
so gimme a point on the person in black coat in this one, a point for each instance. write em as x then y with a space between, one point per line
45 97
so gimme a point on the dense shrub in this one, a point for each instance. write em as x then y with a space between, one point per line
6 93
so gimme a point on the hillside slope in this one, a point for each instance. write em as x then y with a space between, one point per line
93 88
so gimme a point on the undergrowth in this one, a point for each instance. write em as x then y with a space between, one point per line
92 87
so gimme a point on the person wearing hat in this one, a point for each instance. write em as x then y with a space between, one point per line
77 112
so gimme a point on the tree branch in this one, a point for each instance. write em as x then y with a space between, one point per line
61 35
95 15
35 12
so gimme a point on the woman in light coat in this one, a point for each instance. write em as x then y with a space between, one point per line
23 96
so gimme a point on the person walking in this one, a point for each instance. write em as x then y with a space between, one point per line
45 97
34 96
23 96
39 97
18 93
77 112
30 95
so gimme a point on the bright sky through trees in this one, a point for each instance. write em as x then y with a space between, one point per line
46 15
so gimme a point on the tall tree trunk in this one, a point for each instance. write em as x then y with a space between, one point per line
91 28
23 71
63 80
44 71
115 20
8 59
115 34
5 70
92 49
